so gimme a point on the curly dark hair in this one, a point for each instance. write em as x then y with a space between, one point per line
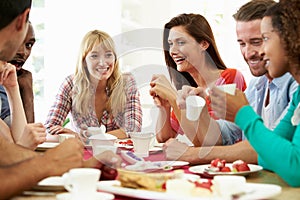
285 17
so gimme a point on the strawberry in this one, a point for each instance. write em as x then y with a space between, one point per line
207 184
129 142
243 167
218 163
240 166
225 169
164 186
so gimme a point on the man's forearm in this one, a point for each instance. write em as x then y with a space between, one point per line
239 151
11 153
22 176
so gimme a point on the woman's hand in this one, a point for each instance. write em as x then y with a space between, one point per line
163 93
57 129
33 135
188 91
224 105
8 76
175 150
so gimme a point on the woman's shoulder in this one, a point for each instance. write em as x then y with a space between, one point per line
232 72
69 78
68 81
128 76
231 75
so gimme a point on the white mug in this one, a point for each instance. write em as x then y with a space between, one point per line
94 130
82 182
228 88
141 142
194 106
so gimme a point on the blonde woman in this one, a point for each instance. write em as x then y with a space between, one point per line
98 93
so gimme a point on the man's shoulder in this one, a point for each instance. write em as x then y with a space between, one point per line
283 79
255 81
23 73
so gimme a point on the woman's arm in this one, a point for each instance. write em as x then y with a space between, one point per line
164 96
278 150
61 106
164 129
18 118
133 109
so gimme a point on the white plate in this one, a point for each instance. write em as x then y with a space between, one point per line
99 196
155 149
260 191
200 169
171 163
115 188
52 183
156 165
255 191
46 145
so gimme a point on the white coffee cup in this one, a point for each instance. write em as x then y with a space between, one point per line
226 186
98 149
228 88
82 182
102 139
62 137
194 106
90 131
141 142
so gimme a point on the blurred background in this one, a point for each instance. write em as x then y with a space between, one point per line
135 25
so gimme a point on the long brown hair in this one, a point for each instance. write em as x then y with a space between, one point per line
198 27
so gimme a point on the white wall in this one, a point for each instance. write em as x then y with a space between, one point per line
66 21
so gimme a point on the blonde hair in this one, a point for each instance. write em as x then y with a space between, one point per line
83 93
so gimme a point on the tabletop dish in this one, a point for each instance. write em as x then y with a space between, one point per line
46 145
202 169
171 163
52 183
155 150
156 165
256 191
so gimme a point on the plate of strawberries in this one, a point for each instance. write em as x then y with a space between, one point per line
220 167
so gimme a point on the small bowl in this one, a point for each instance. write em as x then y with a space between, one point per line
102 139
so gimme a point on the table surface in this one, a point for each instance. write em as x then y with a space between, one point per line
257 177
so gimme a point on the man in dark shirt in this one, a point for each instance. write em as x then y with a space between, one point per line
24 80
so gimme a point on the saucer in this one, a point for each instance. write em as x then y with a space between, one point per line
98 196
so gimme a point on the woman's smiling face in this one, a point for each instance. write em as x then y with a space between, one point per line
273 50
100 62
183 49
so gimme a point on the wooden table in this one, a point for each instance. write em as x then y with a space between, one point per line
263 176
